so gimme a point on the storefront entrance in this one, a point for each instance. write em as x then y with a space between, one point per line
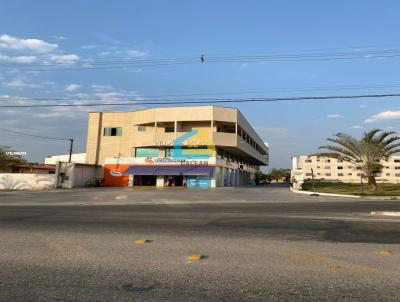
144 180
174 181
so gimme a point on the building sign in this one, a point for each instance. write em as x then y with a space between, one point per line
161 161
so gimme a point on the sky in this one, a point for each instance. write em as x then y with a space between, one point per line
78 33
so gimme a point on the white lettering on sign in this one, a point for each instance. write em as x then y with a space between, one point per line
20 153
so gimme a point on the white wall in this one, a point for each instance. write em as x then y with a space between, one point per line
79 158
20 181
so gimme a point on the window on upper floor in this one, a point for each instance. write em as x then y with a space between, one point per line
112 131
141 128
397 160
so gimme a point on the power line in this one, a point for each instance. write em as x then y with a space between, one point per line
209 101
34 135
215 92
139 63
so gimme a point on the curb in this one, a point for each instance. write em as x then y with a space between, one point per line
323 194
385 213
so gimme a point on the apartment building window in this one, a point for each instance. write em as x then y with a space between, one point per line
349 174
387 174
327 174
327 160
327 167
397 175
318 173
397 168
318 160
169 129
339 161
308 161
397 160
116 131
350 167
141 128
340 168
387 167
340 174
308 174
318 167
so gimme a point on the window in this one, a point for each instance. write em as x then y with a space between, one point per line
308 174
397 175
387 174
397 160
349 174
339 161
169 129
318 167
327 160
308 161
327 167
112 131
327 174
397 168
141 128
318 173
350 167
340 167
340 174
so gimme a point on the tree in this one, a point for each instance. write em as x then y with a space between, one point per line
278 174
7 159
365 153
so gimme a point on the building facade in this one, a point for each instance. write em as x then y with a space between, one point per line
330 169
79 158
198 146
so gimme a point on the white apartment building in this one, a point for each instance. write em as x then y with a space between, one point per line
331 169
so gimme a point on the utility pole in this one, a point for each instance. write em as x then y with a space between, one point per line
71 144
313 181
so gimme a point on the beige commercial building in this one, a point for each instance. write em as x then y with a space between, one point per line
330 169
174 146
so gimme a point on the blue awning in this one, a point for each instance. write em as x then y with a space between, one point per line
170 170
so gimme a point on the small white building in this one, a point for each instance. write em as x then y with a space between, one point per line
78 158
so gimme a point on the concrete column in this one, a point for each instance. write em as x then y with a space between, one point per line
160 181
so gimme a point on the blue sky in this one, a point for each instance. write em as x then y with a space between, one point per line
74 32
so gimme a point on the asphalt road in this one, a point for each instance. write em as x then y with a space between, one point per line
261 244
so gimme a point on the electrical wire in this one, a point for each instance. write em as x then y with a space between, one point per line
209 101
34 135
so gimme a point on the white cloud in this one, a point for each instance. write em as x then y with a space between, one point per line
356 127
334 116
18 59
18 83
35 45
97 87
72 87
90 46
135 53
59 37
65 59
383 116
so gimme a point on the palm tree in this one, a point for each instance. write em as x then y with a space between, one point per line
365 153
